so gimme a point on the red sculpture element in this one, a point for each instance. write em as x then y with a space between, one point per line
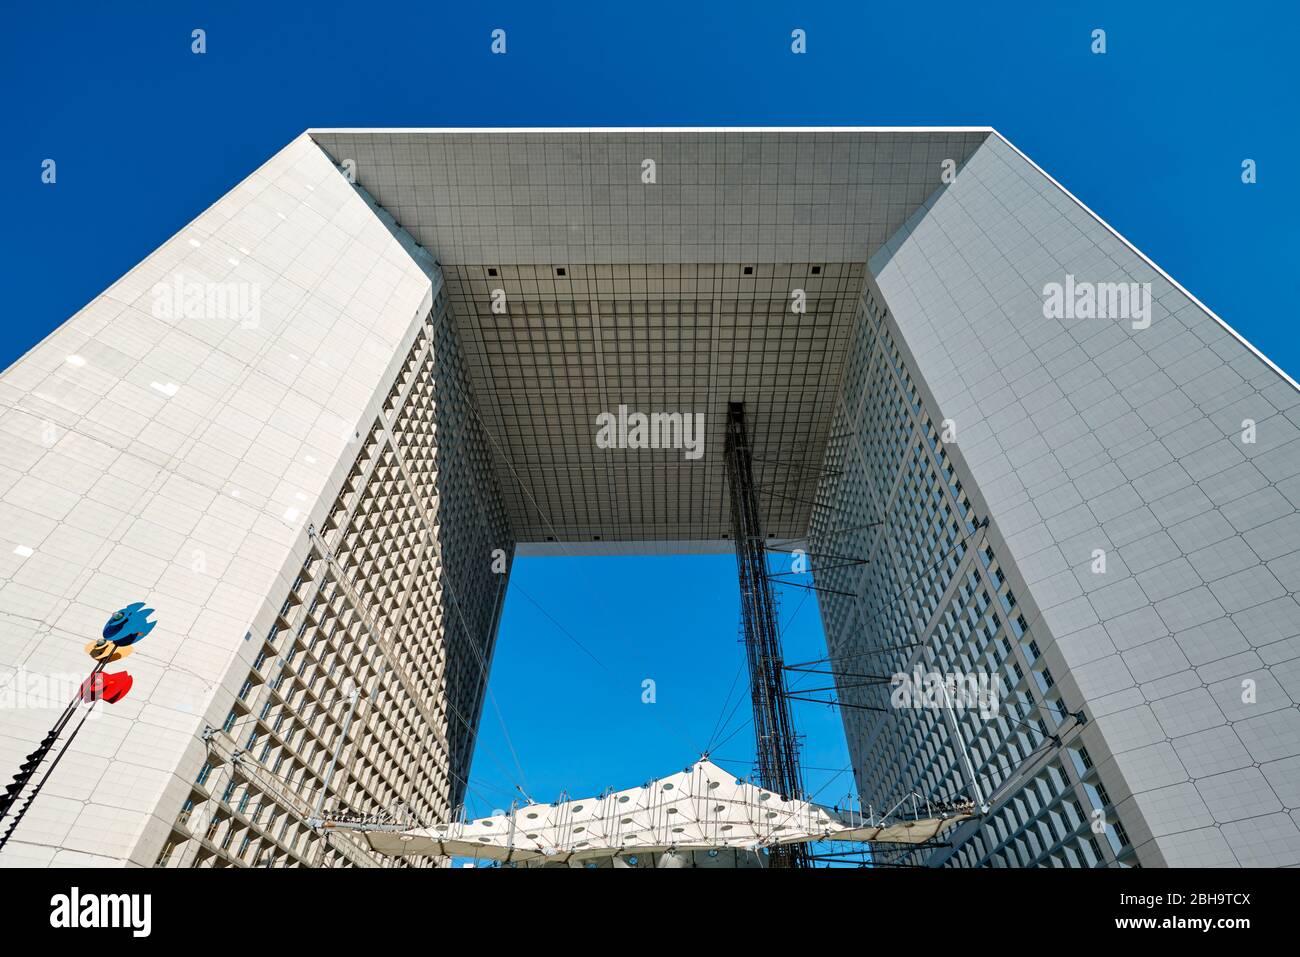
109 687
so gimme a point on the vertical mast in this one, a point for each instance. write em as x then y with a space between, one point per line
775 740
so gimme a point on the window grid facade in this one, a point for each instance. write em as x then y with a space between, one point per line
933 596
373 608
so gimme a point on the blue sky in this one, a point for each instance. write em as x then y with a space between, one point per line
580 636
1151 135
146 135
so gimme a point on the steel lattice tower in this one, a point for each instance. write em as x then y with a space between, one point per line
776 744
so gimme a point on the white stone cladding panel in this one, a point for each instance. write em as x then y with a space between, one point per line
1086 434
176 461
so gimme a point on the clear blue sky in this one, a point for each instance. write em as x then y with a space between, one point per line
1151 134
147 135
578 638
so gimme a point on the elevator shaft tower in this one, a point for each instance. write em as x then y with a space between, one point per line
776 744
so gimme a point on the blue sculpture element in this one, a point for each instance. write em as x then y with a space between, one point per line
128 625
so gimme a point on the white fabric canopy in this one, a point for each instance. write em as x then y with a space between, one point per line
701 807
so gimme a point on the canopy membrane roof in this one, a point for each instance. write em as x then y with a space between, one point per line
702 807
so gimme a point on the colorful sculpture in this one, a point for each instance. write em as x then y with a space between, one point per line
121 632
